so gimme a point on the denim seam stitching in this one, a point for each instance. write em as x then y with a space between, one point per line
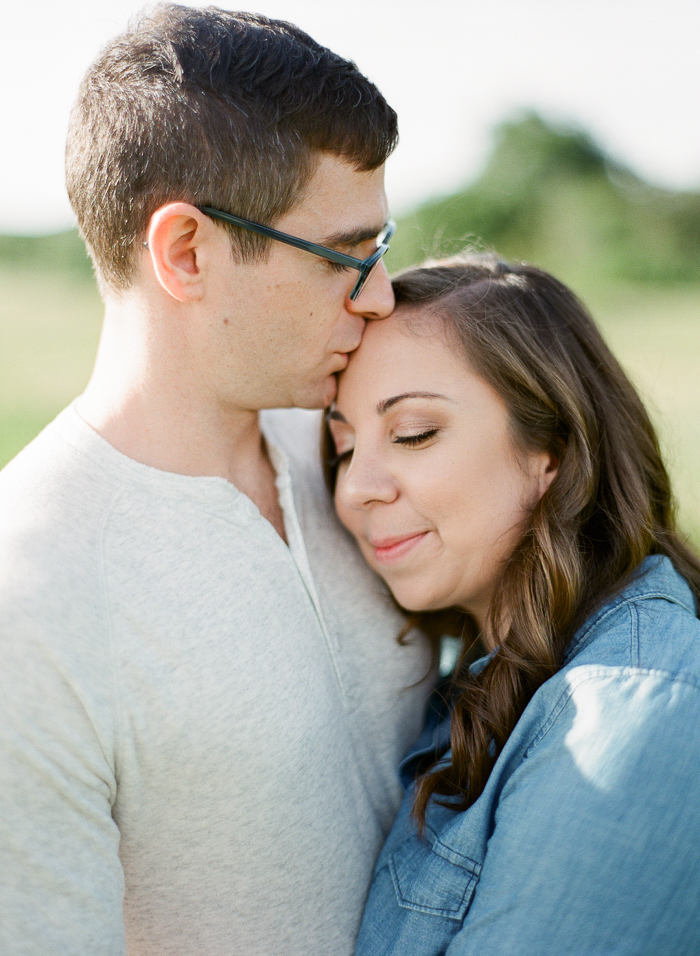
426 908
634 635
474 865
553 715
649 595
622 672
470 864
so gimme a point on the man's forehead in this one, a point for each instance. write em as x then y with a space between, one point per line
341 204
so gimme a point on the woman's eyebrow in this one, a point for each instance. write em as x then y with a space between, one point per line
386 404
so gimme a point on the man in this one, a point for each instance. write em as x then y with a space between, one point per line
202 700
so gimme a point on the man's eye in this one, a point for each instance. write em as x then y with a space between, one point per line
337 266
412 440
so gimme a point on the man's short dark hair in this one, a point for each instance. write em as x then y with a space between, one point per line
212 108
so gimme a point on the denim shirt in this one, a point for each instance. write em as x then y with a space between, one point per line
586 839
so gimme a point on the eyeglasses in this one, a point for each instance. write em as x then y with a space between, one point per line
363 266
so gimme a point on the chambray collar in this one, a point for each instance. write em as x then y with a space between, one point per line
654 579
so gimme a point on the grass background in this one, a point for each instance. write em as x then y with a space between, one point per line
49 328
550 196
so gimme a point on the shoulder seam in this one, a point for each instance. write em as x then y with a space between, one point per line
627 602
602 673
634 634
118 716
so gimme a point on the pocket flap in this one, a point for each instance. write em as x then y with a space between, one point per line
432 878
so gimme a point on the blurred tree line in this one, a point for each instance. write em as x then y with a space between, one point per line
63 251
552 196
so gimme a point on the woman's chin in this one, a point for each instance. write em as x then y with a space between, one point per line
417 603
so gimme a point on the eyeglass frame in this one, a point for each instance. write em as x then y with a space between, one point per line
363 266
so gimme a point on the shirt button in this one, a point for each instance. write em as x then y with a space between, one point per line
251 510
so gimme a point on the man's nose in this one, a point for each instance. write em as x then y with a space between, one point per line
366 481
376 300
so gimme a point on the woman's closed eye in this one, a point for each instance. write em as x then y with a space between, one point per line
341 457
414 440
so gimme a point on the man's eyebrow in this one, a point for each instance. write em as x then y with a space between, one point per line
386 404
353 237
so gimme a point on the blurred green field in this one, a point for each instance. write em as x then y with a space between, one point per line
50 320
655 332
49 328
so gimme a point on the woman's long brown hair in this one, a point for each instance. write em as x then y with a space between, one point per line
609 506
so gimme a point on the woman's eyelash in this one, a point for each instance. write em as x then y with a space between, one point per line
415 439
336 460
409 440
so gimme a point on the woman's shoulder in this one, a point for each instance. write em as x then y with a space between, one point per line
651 626
634 662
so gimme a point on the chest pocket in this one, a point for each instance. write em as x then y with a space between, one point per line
431 878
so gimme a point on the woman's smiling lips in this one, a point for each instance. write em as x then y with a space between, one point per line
389 550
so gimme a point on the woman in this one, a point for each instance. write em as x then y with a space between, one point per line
492 456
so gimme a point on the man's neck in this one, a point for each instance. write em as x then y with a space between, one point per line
157 415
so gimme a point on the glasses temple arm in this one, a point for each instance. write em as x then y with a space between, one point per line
271 233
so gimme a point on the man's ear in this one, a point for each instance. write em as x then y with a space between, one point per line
176 236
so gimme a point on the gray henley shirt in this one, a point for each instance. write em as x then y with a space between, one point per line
199 725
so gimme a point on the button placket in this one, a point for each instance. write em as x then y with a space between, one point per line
298 555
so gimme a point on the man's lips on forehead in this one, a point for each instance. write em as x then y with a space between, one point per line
341 361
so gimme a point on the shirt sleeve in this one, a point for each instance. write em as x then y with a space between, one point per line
596 840
61 881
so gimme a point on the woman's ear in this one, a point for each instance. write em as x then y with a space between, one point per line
174 243
548 466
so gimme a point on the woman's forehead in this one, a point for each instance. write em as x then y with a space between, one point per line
407 353
400 343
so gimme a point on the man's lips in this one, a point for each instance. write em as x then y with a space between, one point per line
389 550
344 359
345 353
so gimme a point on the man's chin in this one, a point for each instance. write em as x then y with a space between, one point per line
323 395
318 395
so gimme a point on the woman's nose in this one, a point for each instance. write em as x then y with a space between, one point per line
365 481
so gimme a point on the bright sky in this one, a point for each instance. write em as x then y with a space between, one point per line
627 70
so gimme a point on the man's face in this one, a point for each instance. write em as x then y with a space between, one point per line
284 326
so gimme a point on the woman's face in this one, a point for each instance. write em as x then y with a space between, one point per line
430 483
